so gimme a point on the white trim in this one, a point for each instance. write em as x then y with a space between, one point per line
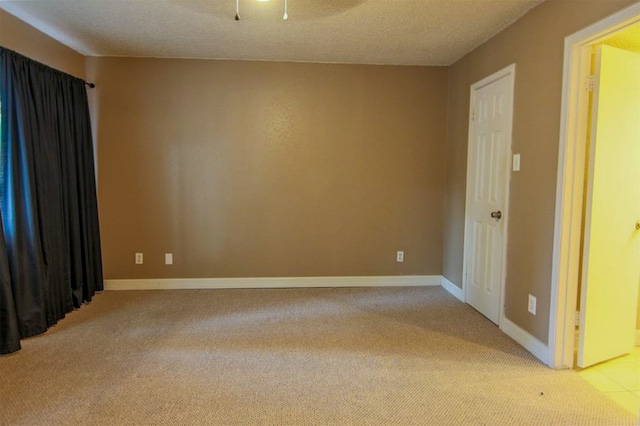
527 340
272 282
509 71
453 289
569 190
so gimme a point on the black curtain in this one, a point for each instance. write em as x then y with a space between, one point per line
50 255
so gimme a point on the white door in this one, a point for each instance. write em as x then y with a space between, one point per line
611 256
487 191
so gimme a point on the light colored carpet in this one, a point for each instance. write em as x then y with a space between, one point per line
367 356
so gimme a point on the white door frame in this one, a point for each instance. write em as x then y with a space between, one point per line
510 73
570 184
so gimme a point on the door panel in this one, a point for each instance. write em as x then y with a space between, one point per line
490 137
611 255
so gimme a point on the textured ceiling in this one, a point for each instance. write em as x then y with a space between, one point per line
407 32
627 39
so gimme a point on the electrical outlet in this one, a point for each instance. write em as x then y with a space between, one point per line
532 304
139 259
400 256
168 258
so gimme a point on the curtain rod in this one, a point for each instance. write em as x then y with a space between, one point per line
89 84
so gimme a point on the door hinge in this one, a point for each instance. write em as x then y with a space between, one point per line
590 83
473 114
577 319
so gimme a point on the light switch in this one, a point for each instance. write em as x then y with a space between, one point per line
168 258
532 304
516 162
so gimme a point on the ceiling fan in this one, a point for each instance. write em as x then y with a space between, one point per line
285 16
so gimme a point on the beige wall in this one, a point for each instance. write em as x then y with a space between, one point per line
269 169
535 44
26 40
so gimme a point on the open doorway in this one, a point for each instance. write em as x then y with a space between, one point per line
610 261
571 178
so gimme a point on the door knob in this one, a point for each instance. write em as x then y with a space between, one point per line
638 225
498 215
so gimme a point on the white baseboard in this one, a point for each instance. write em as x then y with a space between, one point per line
525 339
453 289
272 282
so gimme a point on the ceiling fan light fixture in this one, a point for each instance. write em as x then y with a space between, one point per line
285 16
